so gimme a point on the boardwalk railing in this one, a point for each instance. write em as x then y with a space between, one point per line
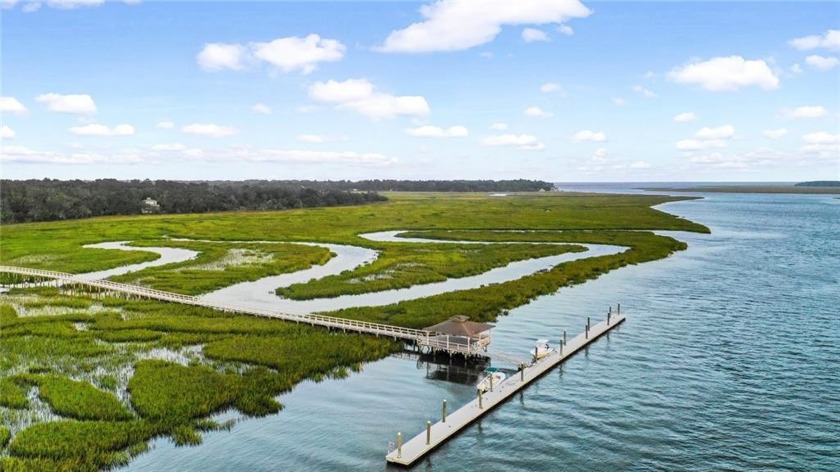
420 337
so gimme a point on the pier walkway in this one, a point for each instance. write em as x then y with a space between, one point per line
421 338
438 433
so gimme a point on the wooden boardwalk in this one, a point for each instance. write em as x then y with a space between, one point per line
438 433
406 334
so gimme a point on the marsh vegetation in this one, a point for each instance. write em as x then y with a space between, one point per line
87 379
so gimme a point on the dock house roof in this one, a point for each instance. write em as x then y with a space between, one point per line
459 326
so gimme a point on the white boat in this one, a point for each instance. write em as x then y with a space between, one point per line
493 373
540 350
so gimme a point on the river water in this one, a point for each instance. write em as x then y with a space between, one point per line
729 360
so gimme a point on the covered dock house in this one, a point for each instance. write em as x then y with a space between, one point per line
458 335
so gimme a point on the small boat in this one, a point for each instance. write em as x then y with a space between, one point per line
540 350
493 373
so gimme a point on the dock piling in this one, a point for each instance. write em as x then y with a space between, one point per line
587 327
480 405
564 336
428 432
399 445
491 382
444 412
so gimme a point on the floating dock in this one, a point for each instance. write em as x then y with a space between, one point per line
438 433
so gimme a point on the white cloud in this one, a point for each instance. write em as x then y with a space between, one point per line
261 109
532 35
209 129
71 4
31 7
12 105
647 93
78 104
600 155
619 102
721 132
307 157
522 141
361 96
165 125
726 73
287 54
707 138
775 133
685 117
7 4
499 126
549 87
805 112
822 144
169 147
6 132
696 144
649 75
796 69
350 90
829 40
821 137
640 165
587 135
303 54
26 155
454 25
102 130
538 112
218 56
318 138
429 131
821 62
566 30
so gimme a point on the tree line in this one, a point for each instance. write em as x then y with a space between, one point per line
48 200
24 201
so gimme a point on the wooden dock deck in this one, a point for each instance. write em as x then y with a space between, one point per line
438 433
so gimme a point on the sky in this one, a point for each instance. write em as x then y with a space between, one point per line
557 90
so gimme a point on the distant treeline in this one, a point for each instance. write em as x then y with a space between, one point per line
47 200
819 183
519 185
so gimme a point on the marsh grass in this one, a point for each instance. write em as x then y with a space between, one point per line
79 400
221 264
405 265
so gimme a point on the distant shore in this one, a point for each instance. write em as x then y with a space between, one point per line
750 189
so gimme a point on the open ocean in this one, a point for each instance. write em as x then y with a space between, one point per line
729 360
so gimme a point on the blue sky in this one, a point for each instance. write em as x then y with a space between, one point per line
555 90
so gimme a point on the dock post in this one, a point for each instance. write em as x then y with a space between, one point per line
587 327
444 411
480 406
608 316
619 309
564 336
399 445
561 347
428 432
491 382
522 372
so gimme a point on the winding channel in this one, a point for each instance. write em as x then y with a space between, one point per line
261 294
